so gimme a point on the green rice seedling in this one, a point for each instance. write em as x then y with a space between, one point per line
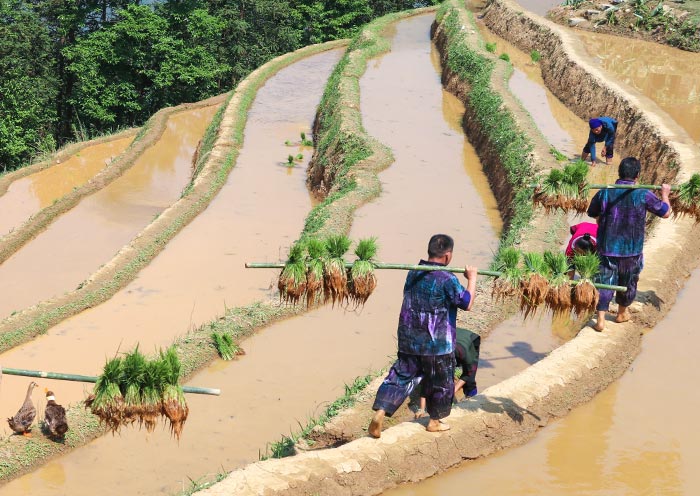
558 297
559 156
535 56
304 141
534 284
491 47
507 260
292 280
107 400
130 381
362 281
585 296
686 200
565 189
316 250
288 143
504 56
335 277
223 342
300 156
154 378
173 400
290 161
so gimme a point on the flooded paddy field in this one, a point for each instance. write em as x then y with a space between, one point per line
80 241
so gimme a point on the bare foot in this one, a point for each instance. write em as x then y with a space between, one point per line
437 426
420 413
599 326
375 427
622 317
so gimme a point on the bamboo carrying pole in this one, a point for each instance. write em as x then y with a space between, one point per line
620 186
89 378
427 268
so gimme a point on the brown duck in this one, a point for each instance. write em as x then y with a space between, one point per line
55 416
21 423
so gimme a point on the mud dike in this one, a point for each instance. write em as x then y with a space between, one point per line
514 410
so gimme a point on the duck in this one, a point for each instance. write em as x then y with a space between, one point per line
21 423
55 416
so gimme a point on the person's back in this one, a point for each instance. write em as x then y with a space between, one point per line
428 315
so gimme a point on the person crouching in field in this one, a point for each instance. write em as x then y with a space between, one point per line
467 347
426 338
621 215
584 239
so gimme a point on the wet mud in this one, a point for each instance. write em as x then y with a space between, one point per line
625 441
668 76
257 214
27 195
88 235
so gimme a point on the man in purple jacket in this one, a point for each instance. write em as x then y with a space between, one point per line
621 215
426 338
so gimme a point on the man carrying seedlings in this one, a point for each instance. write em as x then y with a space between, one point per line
426 338
603 129
621 215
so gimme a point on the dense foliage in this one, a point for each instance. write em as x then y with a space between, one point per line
73 69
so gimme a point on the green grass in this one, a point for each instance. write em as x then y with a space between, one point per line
511 145
535 56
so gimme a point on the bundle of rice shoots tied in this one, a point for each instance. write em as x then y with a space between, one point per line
565 189
154 378
316 250
107 400
534 284
362 280
585 296
292 280
174 404
558 297
335 279
223 342
686 200
131 381
507 261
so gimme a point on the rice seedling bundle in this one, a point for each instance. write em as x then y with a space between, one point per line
316 250
152 392
107 400
534 284
292 280
173 400
224 344
130 381
507 261
558 298
335 277
686 199
361 280
585 296
565 189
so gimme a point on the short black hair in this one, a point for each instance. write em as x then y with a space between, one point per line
629 169
439 245
585 243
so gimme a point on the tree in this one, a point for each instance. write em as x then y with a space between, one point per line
27 87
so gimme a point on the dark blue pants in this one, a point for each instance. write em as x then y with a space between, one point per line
620 271
434 373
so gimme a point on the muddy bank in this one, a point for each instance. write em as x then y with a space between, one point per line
512 411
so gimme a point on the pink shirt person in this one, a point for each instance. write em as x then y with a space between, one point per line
578 231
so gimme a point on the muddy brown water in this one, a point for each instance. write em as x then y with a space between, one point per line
293 369
636 437
78 242
28 195
669 76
